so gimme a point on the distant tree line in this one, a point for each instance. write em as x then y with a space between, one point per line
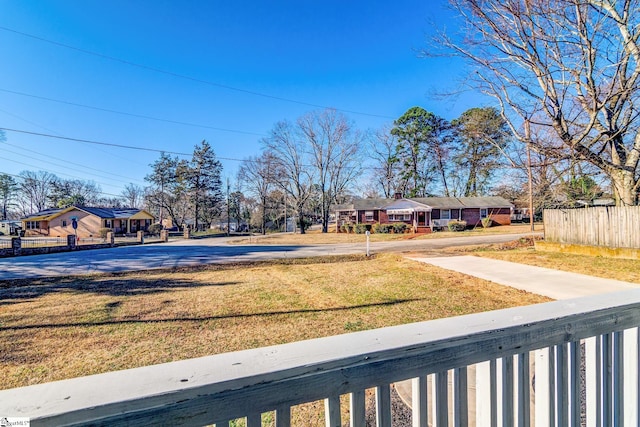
321 159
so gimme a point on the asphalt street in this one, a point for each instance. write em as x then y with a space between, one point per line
180 253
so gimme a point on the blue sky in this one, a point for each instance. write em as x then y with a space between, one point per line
218 58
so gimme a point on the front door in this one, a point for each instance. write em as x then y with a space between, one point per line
422 219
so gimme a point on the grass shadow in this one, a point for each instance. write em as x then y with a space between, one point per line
220 317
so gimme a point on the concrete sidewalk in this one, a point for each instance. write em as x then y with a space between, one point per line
538 280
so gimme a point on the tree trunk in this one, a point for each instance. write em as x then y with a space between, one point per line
623 184
301 221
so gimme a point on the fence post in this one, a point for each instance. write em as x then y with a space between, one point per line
141 237
187 233
16 245
71 241
164 235
110 238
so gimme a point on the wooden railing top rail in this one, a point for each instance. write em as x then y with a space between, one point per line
232 385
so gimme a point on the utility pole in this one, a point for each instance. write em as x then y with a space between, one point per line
527 134
228 209
285 212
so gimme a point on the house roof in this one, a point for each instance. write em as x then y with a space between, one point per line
43 214
412 205
485 202
428 202
364 204
441 202
104 213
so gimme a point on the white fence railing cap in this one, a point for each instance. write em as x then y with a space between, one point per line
171 383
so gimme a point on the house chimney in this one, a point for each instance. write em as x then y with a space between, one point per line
397 195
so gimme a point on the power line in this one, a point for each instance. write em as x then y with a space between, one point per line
54 173
67 162
185 77
86 141
53 131
142 116
131 147
108 144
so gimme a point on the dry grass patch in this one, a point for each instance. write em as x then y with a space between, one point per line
315 237
52 329
608 268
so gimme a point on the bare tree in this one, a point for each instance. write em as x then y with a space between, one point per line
257 176
35 188
133 195
291 173
334 146
386 169
568 65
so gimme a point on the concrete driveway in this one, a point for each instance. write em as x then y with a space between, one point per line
180 253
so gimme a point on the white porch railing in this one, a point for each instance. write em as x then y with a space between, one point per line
584 354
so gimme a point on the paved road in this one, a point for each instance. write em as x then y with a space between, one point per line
181 253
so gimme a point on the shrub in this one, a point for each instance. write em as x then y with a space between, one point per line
455 225
360 228
103 232
154 228
400 227
487 222
382 228
347 227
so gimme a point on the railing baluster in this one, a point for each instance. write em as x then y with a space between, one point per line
553 392
383 406
562 385
618 376
419 411
357 409
591 381
507 391
254 420
493 389
332 411
283 416
541 388
599 375
637 376
441 399
607 359
524 395
630 377
460 398
575 399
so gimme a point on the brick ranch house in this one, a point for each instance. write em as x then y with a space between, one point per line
425 214
59 222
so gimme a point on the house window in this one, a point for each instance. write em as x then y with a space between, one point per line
400 217
64 222
483 213
33 225
368 215
107 223
445 214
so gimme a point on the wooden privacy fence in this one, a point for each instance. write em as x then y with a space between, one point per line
613 227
